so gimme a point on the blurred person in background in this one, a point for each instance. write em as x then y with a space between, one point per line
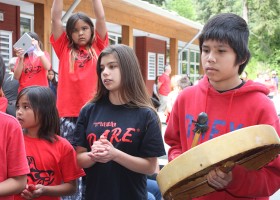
10 87
164 87
52 80
275 78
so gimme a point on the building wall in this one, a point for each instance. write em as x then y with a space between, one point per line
142 47
11 20
9 29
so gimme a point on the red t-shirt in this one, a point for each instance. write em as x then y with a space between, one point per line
12 151
77 87
3 104
33 72
50 163
165 86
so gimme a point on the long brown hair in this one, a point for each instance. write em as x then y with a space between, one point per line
133 89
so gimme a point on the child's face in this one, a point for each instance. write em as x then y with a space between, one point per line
218 62
110 72
82 33
25 114
50 75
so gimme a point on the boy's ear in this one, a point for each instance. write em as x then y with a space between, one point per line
243 61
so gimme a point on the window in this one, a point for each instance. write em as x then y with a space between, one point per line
6 46
184 68
26 23
189 63
115 38
160 64
183 62
151 66
194 65
185 55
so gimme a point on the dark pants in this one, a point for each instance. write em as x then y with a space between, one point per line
67 127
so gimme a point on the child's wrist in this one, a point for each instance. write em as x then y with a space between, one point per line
39 53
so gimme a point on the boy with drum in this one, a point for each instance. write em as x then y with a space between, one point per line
230 104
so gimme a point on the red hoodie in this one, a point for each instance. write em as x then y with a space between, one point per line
228 111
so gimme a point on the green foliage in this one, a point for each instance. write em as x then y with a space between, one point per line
265 27
184 8
207 8
263 21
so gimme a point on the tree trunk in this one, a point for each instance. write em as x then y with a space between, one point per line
245 10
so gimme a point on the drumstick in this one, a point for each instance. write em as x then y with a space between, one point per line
200 127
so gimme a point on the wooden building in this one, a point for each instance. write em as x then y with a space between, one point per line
157 35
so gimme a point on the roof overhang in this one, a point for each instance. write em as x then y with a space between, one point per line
145 17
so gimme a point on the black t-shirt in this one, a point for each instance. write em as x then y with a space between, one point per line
135 131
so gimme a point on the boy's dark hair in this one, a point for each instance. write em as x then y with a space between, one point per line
2 71
70 25
232 30
43 104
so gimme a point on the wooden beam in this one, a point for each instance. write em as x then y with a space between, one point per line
127 35
42 24
47 27
120 13
39 13
123 13
36 1
173 53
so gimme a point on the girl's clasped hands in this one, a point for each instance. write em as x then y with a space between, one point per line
31 191
102 151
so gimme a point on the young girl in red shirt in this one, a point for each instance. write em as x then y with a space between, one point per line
50 157
32 67
77 49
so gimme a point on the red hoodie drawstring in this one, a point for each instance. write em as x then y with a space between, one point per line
228 112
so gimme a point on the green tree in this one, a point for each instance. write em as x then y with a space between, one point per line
265 31
264 24
184 8
207 8
261 16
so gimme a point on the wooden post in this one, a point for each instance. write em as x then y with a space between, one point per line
127 35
